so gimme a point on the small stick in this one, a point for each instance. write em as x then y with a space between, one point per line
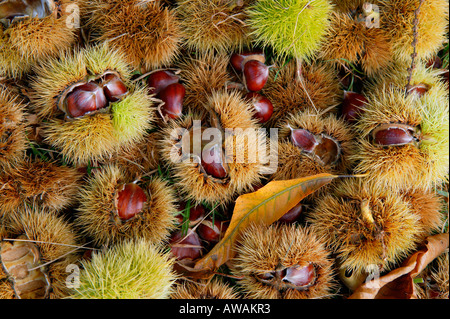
47 242
414 44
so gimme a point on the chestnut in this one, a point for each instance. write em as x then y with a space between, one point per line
300 277
213 163
434 62
113 87
256 74
262 105
186 246
212 232
393 134
172 96
304 139
196 213
352 106
325 149
238 60
161 79
419 89
292 215
130 200
84 99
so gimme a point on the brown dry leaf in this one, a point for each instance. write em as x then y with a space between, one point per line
265 206
398 284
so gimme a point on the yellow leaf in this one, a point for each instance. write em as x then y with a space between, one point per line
265 206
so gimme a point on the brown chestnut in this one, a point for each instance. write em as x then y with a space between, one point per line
238 60
353 106
186 246
256 74
130 201
292 215
213 162
212 232
172 96
304 139
419 89
113 87
159 80
393 134
196 213
323 148
300 277
262 105
84 99
434 62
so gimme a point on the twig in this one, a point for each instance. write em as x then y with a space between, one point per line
414 44
49 243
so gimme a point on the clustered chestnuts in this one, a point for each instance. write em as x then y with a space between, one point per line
255 73
97 109
321 143
85 98
199 232
31 262
165 85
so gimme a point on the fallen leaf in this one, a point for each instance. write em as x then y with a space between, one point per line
399 283
266 206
